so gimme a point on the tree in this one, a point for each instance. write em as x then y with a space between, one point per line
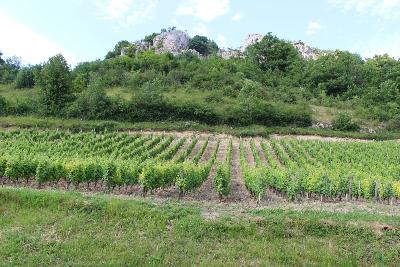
117 49
249 97
1 60
55 81
130 50
203 45
273 54
149 38
3 105
382 68
25 78
337 73
9 69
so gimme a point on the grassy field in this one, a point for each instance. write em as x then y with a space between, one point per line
59 229
14 95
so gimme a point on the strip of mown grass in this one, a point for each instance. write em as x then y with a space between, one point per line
55 228
252 130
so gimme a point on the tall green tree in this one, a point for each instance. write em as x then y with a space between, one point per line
337 73
55 82
117 49
203 45
273 54
25 78
1 60
9 69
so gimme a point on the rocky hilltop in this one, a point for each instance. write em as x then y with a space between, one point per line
174 42
177 42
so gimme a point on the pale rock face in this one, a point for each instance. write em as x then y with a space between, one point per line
174 42
250 40
139 45
231 53
191 51
177 42
307 52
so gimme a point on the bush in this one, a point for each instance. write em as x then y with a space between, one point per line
91 104
269 114
344 122
3 105
49 171
394 124
23 107
19 168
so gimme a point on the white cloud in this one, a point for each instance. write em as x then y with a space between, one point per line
237 16
221 40
379 45
388 9
127 13
19 40
313 27
205 10
199 29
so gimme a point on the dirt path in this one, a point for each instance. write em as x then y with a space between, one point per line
272 152
248 153
209 150
182 149
196 149
319 138
239 191
260 152
206 190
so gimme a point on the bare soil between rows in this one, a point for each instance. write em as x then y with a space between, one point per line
239 196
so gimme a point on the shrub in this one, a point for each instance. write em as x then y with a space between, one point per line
394 123
3 105
160 175
3 165
48 171
91 104
344 122
19 168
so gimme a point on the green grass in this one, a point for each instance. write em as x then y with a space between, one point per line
59 229
122 92
178 95
14 95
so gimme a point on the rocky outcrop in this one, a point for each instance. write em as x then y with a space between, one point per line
250 40
307 52
173 41
190 51
230 53
177 42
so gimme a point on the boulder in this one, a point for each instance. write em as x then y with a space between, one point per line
307 52
250 40
172 41
230 53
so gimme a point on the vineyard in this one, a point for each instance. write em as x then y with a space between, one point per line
202 167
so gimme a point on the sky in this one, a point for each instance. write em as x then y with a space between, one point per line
84 30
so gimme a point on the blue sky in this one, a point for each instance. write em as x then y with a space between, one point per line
86 29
